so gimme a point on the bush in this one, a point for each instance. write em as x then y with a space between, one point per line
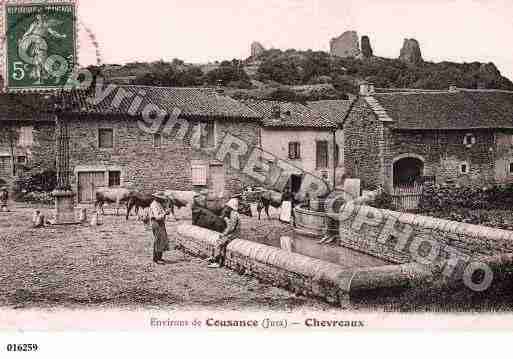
38 197
36 187
384 201
447 198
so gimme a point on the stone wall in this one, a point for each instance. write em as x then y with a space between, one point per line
305 275
363 146
298 273
404 238
443 153
143 166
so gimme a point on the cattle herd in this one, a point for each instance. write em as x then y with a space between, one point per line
206 210
134 200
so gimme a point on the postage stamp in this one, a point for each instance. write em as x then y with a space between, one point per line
41 45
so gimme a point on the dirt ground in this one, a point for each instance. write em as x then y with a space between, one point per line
110 266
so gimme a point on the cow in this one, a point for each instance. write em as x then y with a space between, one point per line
216 205
139 200
111 195
205 218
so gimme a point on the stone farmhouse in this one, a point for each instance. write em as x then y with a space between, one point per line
26 138
399 138
301 136
109 147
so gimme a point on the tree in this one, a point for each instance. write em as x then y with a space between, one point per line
9 136
229 72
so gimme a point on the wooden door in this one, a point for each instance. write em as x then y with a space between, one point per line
87 184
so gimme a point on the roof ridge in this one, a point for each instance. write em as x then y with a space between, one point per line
169 87
378 109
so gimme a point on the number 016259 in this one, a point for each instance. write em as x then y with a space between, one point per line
22 347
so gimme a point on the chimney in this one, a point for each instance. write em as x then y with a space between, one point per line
276 112
366 89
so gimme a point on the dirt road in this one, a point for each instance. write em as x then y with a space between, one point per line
110 266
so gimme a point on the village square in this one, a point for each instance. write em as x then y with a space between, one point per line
287 181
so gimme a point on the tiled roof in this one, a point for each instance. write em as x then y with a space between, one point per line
202 102
462 109
334 110
20 107
292 115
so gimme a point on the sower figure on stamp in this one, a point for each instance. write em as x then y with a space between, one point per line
157 216
4 199
231 217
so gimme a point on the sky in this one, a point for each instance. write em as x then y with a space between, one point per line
202 31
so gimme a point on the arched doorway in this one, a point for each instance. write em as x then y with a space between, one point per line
408 171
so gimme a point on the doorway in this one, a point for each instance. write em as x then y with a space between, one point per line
295 182
87 184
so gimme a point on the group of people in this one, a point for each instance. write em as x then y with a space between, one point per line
161 243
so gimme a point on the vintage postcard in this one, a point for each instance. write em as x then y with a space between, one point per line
288 165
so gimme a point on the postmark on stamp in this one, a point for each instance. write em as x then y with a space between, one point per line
40 44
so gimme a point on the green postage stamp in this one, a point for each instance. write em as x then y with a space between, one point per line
40 41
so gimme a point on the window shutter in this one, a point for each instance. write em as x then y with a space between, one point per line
106 138
199 175
322 154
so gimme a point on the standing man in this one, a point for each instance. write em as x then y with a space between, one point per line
4 198
157 216
286 206
231 216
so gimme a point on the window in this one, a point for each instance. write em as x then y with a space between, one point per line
5 163
21 160
26 138
294 150
114 178
106 138
199 175
337 155
322 154
511 168
157 140
469 140
208 139
464 168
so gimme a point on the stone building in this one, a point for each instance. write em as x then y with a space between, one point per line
335 111
112 145
458 136
302 137
26 137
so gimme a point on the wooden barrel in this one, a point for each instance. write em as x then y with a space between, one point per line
310 222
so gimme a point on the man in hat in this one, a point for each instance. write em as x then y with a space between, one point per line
157 216
231 216
4 198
